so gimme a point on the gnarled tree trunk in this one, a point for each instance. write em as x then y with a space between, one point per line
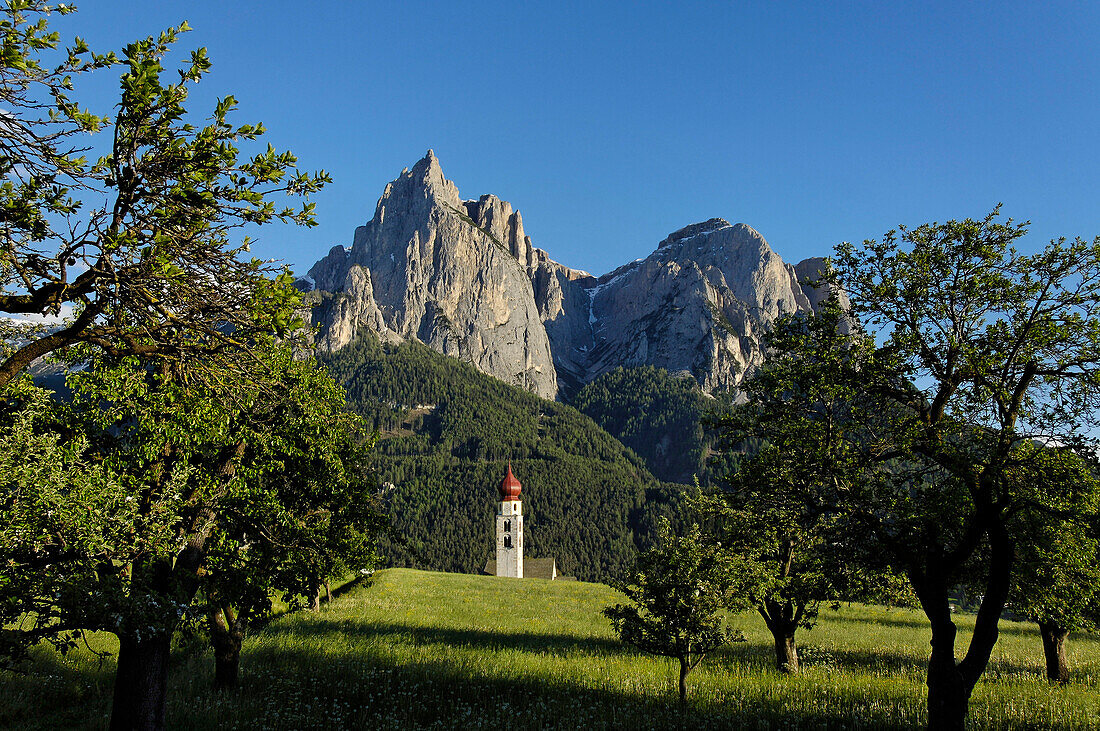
948 692
227 636
782 620
141 682
685 668
1054 649
786 653
141 679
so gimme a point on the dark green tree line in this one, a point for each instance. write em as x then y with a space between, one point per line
656 415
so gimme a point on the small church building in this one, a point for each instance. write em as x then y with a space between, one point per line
509 534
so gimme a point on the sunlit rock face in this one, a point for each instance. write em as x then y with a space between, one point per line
464 278
698 304
424 268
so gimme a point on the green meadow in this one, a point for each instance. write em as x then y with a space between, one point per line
417 649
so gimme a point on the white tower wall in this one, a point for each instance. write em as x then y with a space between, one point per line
510 539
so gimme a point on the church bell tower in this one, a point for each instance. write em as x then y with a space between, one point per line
510 528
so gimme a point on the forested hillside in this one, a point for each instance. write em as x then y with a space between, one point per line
658 416
448 432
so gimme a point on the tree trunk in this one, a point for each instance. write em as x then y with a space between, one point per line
782 620
948 694
685 668
328 592
1054 648
951 683
141 683
786 653
227 636
316 586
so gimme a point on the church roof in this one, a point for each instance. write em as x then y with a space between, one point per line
533 568
509 486
539 568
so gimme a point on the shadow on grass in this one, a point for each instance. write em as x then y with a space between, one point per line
319 626
880 662
442 686
437 694
335 685
50 693
747 655
761 656
1018 629
887 620
1032 630
356 582
964 622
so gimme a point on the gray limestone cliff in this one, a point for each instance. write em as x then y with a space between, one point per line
697 305
446 272
464 278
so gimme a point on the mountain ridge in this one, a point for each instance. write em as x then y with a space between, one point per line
463 277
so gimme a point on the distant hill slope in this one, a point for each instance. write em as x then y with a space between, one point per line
448 433
655 414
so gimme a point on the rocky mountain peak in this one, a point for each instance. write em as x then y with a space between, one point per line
463 277
423 185
428 169
449 273
695 229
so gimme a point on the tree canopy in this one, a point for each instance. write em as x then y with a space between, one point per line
797 430
1056 582
134 249
197 457
150 496
678 592
985 349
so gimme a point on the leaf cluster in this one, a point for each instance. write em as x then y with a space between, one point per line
986 351
678 593
156 487
136 247
805 435
1057 577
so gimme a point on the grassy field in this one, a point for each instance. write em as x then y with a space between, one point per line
431 650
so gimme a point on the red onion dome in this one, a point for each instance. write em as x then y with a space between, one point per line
509 486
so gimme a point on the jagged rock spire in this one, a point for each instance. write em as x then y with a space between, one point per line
464 277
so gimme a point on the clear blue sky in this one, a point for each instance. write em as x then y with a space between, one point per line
610 125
